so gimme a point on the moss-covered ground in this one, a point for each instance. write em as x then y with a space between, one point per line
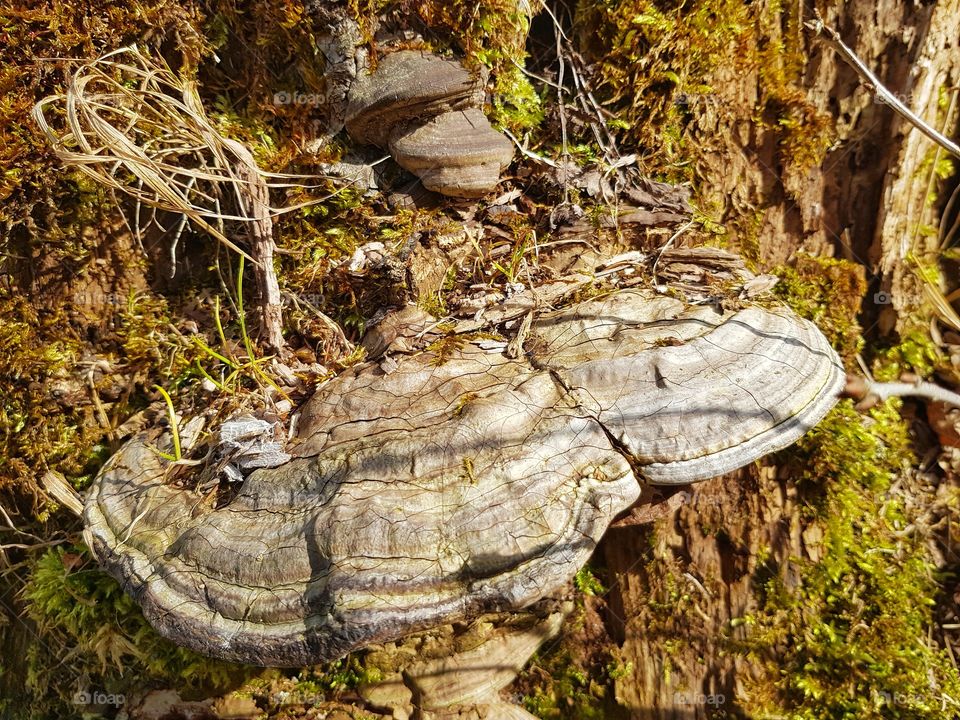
90 325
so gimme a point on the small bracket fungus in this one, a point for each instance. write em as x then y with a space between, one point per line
463 481
426 111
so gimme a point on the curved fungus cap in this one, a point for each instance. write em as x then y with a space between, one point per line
467 167
425 110
460 483
407 85
698 396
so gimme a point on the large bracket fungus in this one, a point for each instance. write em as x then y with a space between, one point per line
426 111
461 479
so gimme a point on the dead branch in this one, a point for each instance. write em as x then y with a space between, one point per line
832 38
869 392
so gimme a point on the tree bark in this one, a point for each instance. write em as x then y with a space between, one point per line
864 202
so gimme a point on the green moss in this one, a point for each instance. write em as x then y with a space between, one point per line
850 450
572 677
914 352
849 638
654 61
32 429
291 693
516 104
670 72
828 292
588 583
444 348
434 304
573 689
349 673
87 624
804 131
748 229
492 35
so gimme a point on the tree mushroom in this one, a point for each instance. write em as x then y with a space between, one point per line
426 111
462 482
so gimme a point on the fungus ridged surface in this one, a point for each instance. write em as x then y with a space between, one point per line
461 482
426 111
456 153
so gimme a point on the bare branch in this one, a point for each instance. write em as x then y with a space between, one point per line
831 38
869 392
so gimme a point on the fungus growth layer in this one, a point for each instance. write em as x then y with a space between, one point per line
459 482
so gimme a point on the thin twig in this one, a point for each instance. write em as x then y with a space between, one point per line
13 527
830 37
529 153
589 102
665 246
561 108
542 79
868 391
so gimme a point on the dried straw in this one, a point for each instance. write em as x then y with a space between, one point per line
132 124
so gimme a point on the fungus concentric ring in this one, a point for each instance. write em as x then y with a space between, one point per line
457 485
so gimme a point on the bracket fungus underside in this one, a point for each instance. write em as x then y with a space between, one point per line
461 482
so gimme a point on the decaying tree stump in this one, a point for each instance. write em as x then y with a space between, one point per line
864 203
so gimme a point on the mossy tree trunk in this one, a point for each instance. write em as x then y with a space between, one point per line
683 589
790 153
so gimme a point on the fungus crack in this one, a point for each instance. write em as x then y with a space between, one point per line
392 513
